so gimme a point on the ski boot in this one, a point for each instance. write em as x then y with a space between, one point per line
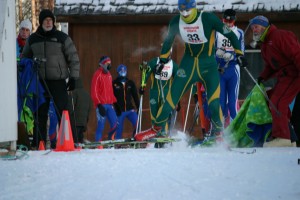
148 134
219 137
159 145
197 142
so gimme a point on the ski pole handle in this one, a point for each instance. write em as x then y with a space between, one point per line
144 67
143 84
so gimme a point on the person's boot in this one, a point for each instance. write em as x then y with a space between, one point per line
219 137
227 122
148 134
161 134
194 142
159 145
280 142
53 145
208 140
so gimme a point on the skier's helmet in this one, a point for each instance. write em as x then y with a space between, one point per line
186 4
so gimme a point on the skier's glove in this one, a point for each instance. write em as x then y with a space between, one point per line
118 109
220 52
228 56
259 80
241 60
159 66
101 110
141 91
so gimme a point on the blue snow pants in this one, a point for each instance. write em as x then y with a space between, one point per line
112 119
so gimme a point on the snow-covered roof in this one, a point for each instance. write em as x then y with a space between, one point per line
136 7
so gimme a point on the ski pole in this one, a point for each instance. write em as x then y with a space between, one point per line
74 116
139 119
145 69
161 89
188 108
265 95
196 116
160 86
173 121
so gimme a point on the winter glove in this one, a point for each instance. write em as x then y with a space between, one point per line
178 107
220 52
159 66
71 84
241 60
228 56
141 91
118 109
101 110
259 80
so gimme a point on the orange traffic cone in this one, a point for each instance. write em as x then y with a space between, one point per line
65 138
42 146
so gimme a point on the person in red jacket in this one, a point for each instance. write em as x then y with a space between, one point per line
104 99
281 53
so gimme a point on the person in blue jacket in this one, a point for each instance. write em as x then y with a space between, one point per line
228 68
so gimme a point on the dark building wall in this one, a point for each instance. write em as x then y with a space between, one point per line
127 44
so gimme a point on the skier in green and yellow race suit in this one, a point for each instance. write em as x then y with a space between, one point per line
159 87
197 30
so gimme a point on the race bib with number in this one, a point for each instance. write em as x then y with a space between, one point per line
192 33
166 72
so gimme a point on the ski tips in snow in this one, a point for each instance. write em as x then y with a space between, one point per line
129 143
242 151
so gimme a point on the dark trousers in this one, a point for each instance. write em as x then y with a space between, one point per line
295 119
80 133
58 90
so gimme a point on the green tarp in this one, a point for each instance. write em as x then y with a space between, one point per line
253 122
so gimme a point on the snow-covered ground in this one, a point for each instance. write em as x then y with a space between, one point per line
176 172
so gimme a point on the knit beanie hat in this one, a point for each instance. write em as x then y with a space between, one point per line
103 60
260 20
44 14
26 24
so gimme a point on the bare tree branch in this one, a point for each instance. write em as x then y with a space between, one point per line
30 9
20 10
